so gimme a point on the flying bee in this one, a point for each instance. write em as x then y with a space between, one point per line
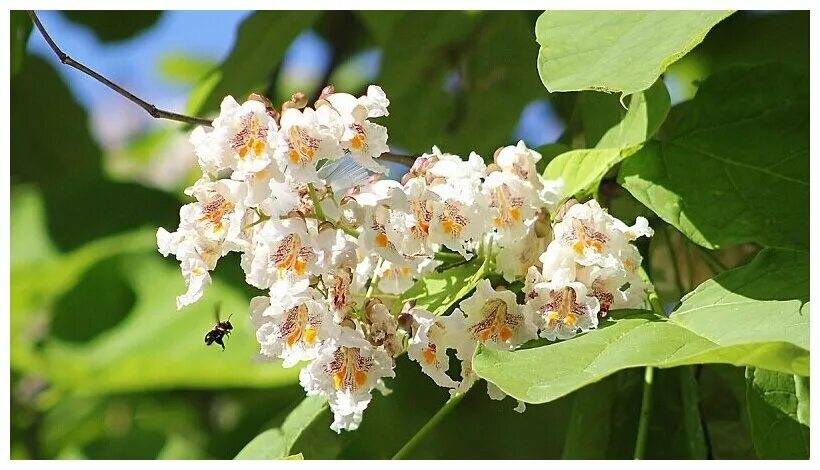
220 330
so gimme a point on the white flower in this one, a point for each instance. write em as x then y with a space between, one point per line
196 277
590 232
409 230
241 138
432 337
495 319
520 161
563 310
460 217
303 141
452 167
284 249
362 139
293 328
513 204
397 278
346 371
514 259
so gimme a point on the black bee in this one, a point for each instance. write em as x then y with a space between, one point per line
221 329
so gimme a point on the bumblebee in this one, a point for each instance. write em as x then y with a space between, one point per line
220 330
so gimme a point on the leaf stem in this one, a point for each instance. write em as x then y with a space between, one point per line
431 423
646 412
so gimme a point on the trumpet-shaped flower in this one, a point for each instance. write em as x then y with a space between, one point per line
293 327
346 371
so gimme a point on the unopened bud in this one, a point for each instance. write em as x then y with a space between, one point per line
260 98
296 214
543 228
327 91
493 167
299 99
495 154
347 322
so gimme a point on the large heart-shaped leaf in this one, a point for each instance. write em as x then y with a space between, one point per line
615 51
753 315
746 137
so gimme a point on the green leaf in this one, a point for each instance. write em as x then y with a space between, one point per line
112 26
766 300
779 414
278 442
590 421
623 51
608 125
438 292
20 30
722 391
746 137
260 46
583 169
755 315
469 75
181 68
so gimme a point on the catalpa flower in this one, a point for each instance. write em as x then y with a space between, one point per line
240 140
362 139
432 337
307 137
513 205
460 217
292 327
514 259
346 371
409 230
397 278
285 250
518 160
494 319
563 310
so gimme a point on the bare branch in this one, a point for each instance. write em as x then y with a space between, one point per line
148 107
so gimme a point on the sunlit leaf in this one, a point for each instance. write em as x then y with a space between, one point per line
615 51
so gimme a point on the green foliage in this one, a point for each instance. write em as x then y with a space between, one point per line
115 27
276 443
20 29
260 45
469 75
184 69
615 51
103 366
746 136
582 170
779 414
438 292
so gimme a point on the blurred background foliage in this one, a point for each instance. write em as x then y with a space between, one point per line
102 364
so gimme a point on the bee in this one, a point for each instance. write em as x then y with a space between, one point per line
220 330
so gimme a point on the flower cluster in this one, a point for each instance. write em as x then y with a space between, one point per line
301 196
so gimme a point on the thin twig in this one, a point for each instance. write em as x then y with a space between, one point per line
440 414
148 107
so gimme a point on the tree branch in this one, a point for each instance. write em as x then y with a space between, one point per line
148 107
